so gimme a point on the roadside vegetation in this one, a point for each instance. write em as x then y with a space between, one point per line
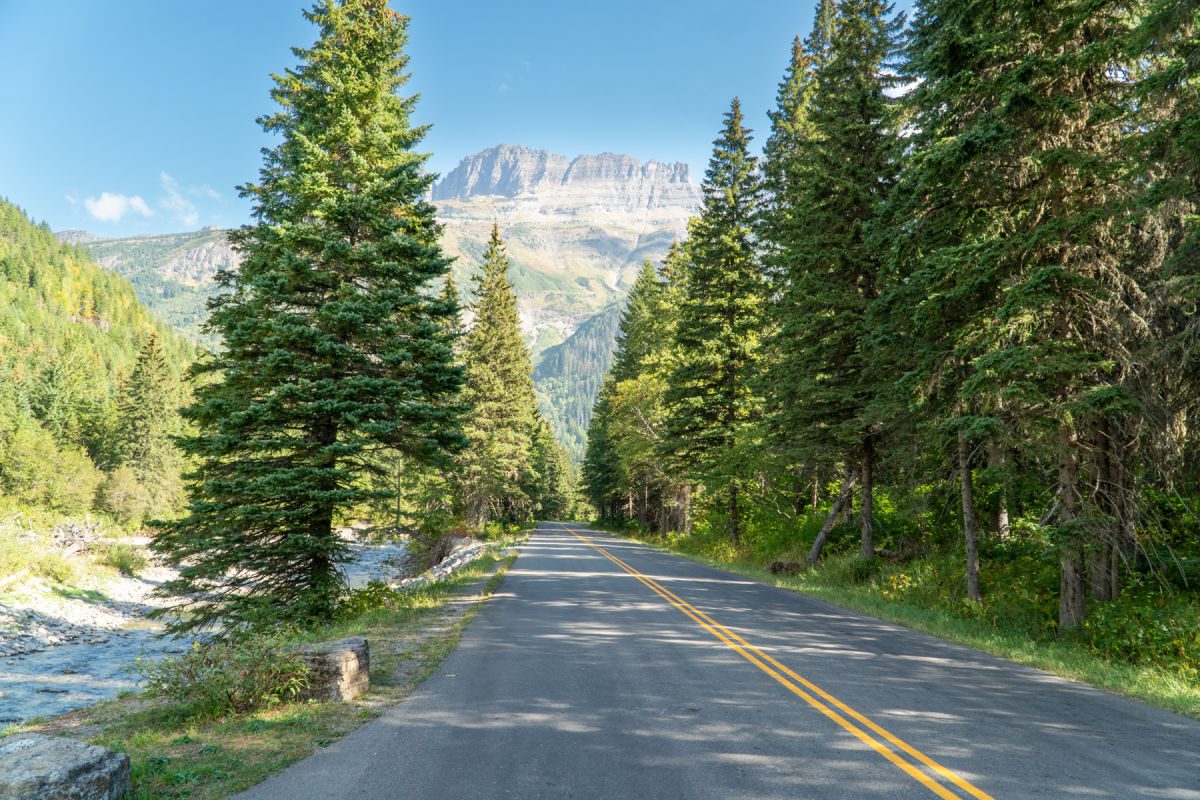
187 740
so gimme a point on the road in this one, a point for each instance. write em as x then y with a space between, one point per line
606 669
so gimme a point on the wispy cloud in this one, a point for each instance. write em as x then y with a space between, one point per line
111 207
176 203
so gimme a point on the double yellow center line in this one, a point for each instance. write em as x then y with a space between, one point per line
934 777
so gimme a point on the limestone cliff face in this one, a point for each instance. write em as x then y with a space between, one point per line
547 182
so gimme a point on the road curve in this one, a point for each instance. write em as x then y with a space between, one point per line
606 669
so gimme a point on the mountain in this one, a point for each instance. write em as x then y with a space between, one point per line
172 273
577 230
569 374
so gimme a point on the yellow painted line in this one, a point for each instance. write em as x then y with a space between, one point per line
793 682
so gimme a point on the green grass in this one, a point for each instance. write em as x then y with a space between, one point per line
836 580
175 756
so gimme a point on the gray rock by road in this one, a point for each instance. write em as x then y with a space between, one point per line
37 767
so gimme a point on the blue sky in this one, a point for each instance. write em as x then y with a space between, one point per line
137 116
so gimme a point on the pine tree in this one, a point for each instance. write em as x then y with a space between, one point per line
1016 277
147 419
496 468
643 329
721 316
334 347
823 381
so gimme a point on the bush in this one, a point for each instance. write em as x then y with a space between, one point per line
375 596
1146 627
55 566
227 676
125 558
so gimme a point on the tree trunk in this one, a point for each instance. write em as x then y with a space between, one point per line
816 491
868 503
830 521
1072 593
645 503
1003 527
735 532
970 522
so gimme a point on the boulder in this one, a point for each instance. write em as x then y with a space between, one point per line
37 767
337 671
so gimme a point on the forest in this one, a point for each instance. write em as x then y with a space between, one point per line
89 384
941 336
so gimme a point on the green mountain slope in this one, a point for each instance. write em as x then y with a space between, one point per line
172 273
70 334
569 375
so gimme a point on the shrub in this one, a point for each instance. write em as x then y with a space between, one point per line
227 676
55 566
375 596
1146 627
123 496
125 558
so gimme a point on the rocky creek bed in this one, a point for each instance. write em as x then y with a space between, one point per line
61 650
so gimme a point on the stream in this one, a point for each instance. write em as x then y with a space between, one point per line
76 674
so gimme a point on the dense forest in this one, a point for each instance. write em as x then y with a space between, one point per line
89 384
944 328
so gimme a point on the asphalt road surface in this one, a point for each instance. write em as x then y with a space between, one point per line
605 669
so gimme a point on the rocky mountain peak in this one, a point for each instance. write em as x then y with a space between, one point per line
511 171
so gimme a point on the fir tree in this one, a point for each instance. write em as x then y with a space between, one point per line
721 317
496 469
1013 264
334 346
147 419
823 381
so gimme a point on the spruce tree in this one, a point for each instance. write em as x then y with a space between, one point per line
146 420
334 347
1014 261
711 399
496 468
823 383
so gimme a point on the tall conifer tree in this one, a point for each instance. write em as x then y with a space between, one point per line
824 382
496 469
334 346
147 418
711 398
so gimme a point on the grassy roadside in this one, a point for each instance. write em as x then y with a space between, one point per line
1156 685
177 757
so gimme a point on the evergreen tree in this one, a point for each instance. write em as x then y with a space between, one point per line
1020 293
496 469
721 316
334 348
823 382
147 419
643 329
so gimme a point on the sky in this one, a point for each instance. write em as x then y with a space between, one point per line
128 117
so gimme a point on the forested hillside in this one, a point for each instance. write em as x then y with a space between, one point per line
944 335
173 274
77 351
568 377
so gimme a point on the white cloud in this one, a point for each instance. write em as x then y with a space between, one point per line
110 207
175 203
